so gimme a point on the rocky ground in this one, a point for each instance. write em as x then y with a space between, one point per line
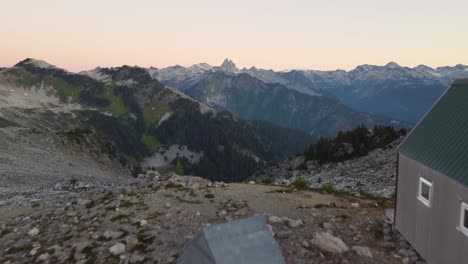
370 175
151 219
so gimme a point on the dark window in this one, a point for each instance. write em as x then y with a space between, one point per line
425 191
465 222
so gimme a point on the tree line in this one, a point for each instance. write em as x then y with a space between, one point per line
353 143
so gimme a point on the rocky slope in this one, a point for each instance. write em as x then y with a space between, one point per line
40 139
31 157
152 219
373 175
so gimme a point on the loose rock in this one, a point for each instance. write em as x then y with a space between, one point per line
33 232
330 243
117 249
362 251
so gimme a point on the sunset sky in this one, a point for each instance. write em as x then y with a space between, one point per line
323 35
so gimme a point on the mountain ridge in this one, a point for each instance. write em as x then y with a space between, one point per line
368 88
143 118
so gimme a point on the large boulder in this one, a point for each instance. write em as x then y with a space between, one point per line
329 243
190 182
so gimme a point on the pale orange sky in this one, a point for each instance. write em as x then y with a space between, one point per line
322 35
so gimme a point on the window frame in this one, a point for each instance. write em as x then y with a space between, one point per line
421 198
461 226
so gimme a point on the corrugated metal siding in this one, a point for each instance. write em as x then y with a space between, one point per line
440 141
432 231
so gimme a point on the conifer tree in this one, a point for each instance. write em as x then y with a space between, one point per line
179 168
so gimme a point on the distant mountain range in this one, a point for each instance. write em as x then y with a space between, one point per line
284 98
401 93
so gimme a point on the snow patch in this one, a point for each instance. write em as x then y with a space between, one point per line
42 96
128 82
98 76
165 117
107 113
166 157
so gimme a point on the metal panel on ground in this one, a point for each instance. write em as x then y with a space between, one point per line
246 241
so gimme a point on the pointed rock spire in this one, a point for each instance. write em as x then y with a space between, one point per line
228 66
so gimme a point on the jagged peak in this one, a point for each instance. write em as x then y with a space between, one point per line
229 66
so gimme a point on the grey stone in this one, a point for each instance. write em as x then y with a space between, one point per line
295 223
329 243
283 234
22 244
33 232
222 213
82 245
109 234
136 258
274 219
44 257
117 249
327 225
34 251
406 261
362 251
404 252
131 242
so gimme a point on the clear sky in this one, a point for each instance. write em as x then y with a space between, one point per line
329 34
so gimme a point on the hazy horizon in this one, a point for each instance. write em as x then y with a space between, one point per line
265 34
218 64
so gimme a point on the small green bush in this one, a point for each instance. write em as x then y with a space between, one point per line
267 181
300 183
328 187
366 195
73 181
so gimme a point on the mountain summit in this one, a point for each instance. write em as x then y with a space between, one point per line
393 65
229 66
